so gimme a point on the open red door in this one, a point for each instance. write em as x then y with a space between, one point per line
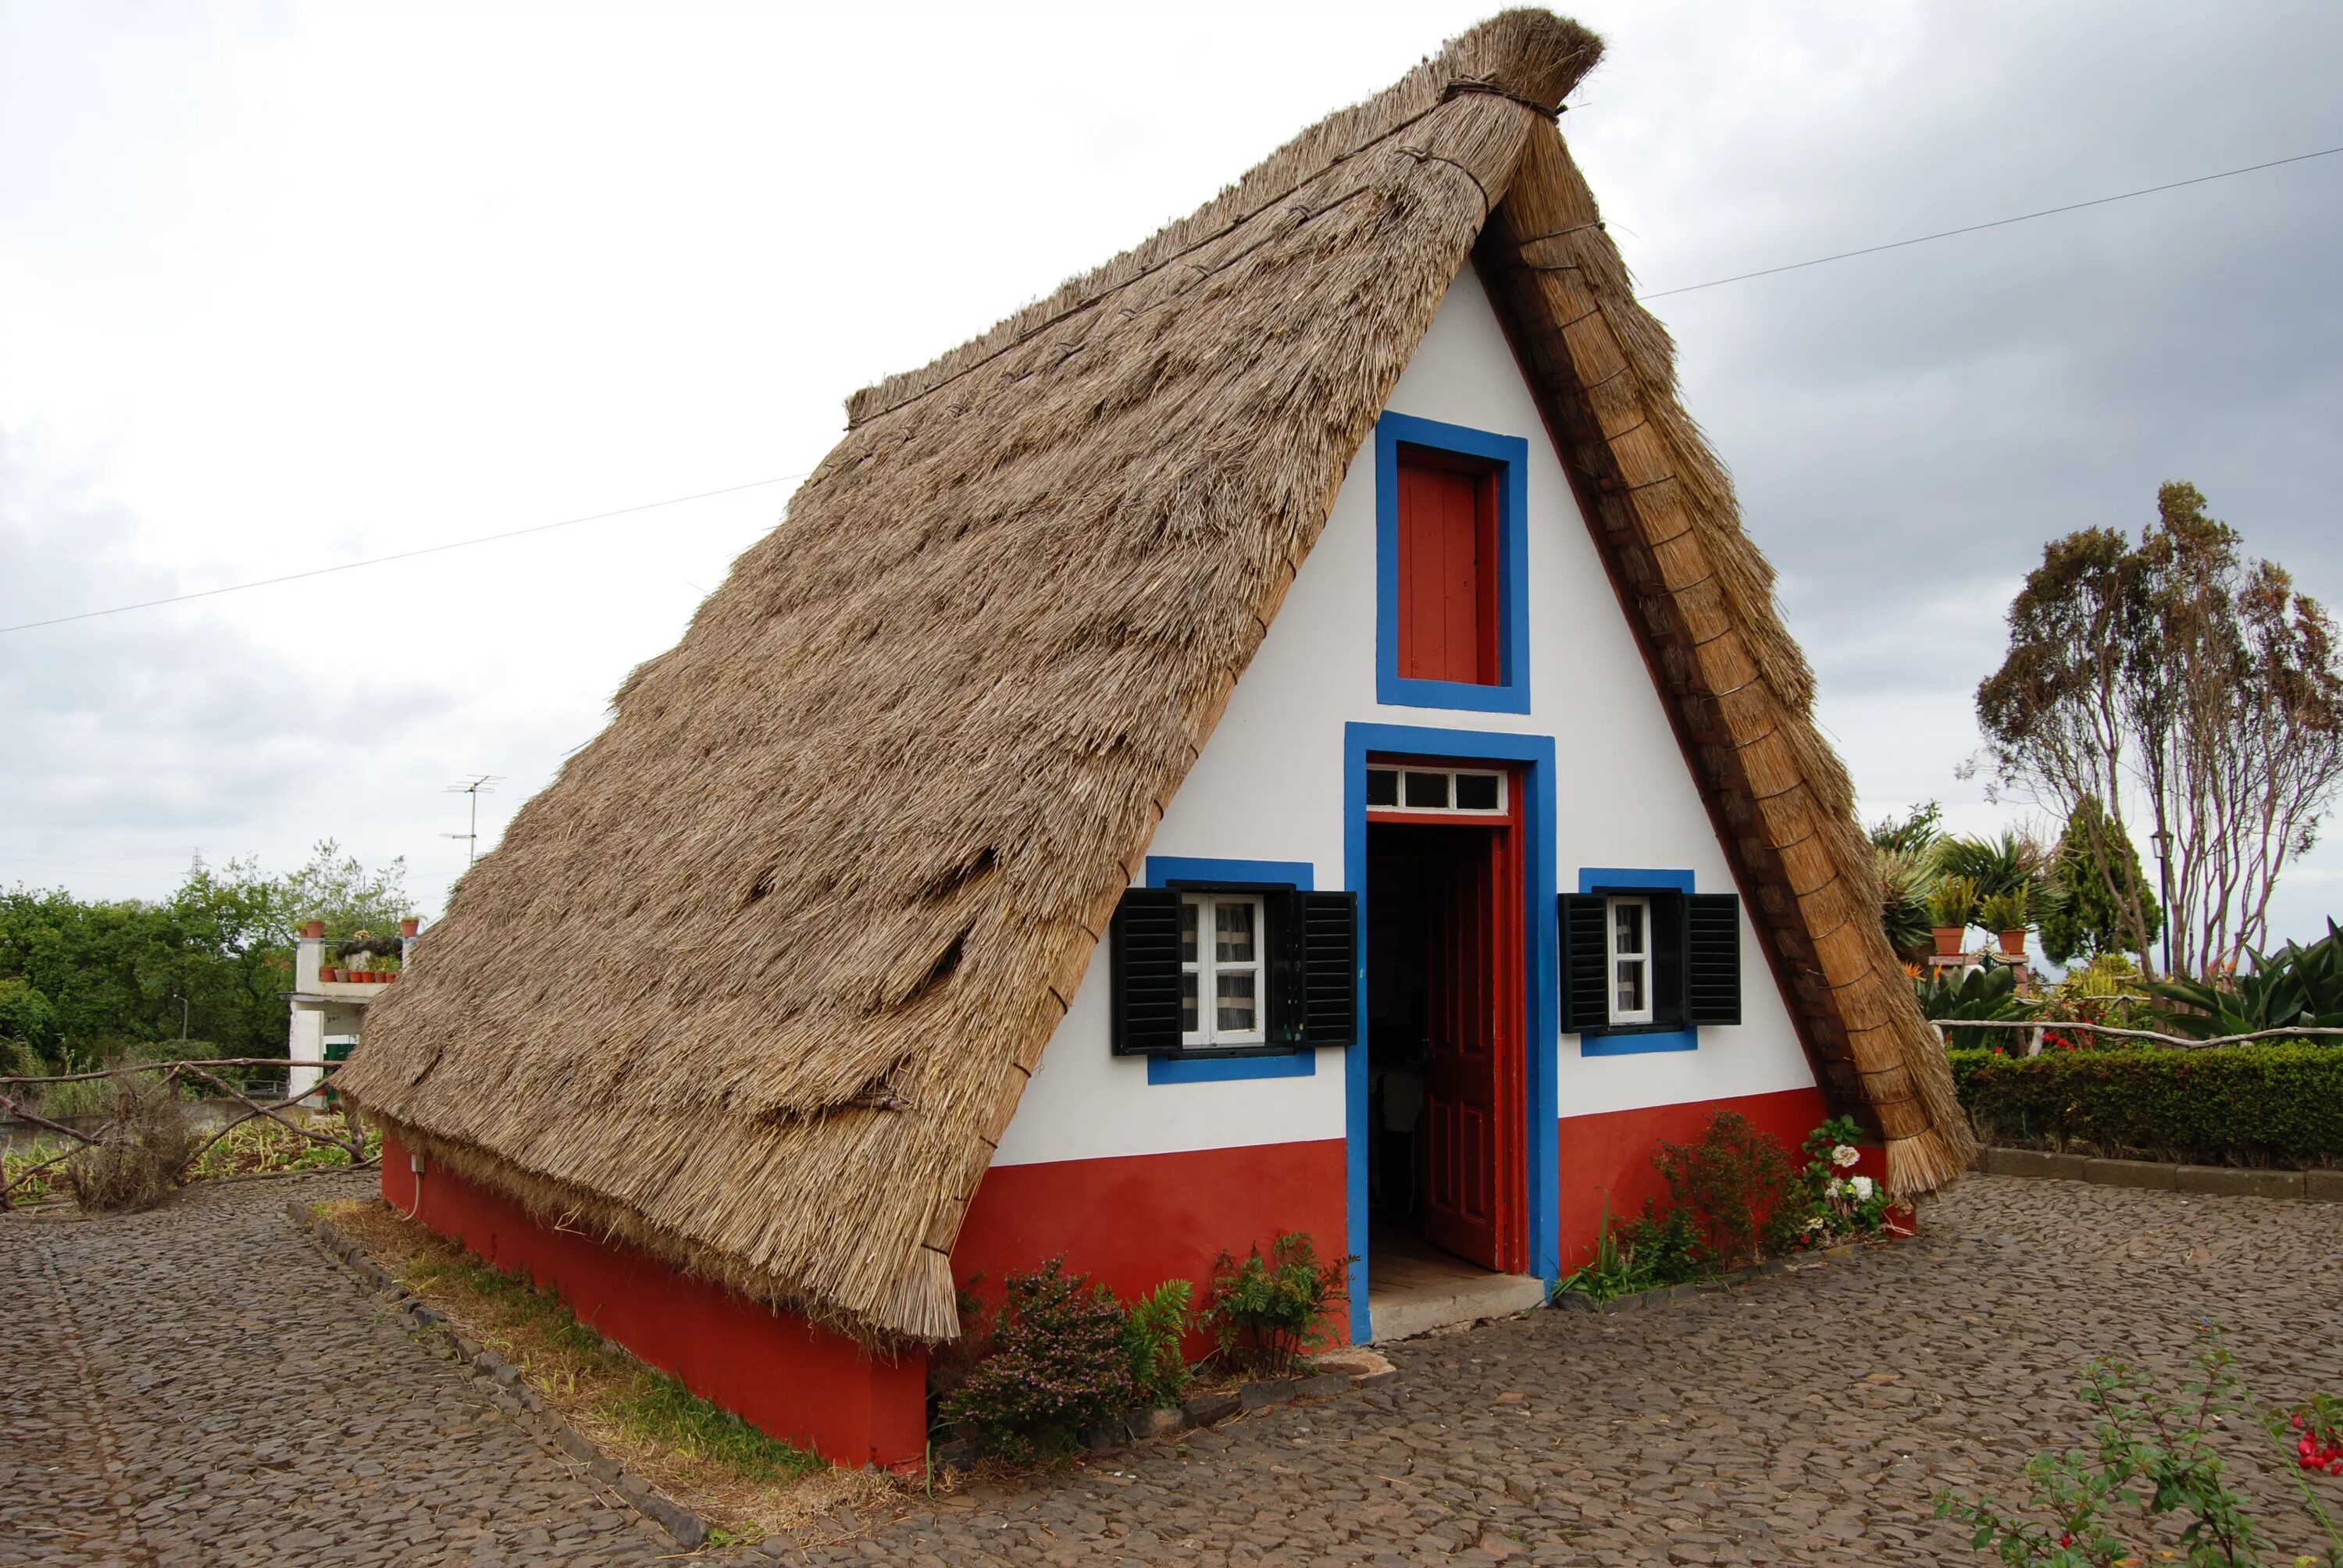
1472 1191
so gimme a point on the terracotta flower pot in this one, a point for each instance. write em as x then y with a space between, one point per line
1948 941
2013 943
410 925
329 975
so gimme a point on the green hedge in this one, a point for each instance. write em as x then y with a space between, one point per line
2279 1103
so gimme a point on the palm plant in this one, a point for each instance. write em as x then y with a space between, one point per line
1906 878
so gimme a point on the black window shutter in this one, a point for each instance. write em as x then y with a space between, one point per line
1671 937
1586 956
1145 961
1329 967
1712 959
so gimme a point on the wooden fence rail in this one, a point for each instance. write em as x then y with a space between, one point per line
2182 1041
351 1140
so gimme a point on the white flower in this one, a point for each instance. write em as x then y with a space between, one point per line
1861 1187
1816 1223
1845 1154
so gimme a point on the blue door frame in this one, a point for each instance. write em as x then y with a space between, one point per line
1535 755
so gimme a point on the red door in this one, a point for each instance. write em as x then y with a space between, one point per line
1473 1183
1447 571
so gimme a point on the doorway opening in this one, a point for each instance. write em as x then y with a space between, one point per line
1447 1187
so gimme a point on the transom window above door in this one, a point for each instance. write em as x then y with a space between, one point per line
1452 791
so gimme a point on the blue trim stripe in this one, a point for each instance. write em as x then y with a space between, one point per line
1511 454
1162 871
1300 1063
1544 1218
1593 878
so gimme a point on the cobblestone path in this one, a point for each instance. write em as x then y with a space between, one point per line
155 1415
194 1384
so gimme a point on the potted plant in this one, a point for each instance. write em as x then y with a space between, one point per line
1949 906
2006 913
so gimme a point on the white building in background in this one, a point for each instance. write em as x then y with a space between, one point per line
329 1002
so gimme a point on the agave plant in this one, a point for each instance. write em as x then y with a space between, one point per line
2294 988
1990 992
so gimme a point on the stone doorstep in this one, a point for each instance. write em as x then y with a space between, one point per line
2216 1181
507 1389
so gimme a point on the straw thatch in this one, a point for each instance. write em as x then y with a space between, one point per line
757 982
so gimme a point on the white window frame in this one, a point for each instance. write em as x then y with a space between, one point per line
1399 771
1208 967
1614 958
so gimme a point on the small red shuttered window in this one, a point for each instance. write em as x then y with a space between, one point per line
1447 568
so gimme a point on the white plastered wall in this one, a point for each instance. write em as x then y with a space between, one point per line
1268 787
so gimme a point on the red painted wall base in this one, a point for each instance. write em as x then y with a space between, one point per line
1133 1221
800 1383
1608 1156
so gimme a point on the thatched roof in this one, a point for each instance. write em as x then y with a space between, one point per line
757 982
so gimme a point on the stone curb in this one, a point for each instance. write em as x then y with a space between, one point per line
504 1385
2213 1181
1350 1367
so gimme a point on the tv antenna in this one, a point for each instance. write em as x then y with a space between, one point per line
485 783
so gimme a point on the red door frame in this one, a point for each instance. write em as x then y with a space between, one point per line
1508 986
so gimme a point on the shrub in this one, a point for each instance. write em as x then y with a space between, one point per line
1826 1200
2293 988
1152 1328
1265 1311
144 1148
2279 1102
1730 1181
1058 1365
2154 1455
1658 1247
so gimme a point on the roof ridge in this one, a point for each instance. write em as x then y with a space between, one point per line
1531 56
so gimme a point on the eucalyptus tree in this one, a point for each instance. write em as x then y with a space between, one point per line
2179 678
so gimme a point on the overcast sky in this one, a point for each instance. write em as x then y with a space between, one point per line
283 286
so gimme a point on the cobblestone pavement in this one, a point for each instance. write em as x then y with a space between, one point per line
1806 1418
194 1384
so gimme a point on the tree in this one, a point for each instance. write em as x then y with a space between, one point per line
2178 674
2088 918
90 981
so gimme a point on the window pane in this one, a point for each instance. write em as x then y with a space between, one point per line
1187 907
1234 1003
1232 935
1187 1002
1627 919
1427 789
1631 986
1382 787
1476 791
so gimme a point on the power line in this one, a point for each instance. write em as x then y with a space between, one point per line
1996 223
784 479
402 555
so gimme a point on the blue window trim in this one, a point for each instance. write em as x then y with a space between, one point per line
1635 1043
1541 964
1162 871
1511 453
